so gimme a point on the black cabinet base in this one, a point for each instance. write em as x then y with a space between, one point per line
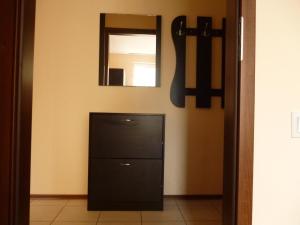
126 162
141 206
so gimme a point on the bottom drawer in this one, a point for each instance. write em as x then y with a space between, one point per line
124 182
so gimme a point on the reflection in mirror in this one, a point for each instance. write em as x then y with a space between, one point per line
135 56
129 50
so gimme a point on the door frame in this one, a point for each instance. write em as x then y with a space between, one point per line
239 112
16 76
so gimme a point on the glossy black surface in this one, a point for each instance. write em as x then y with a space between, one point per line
126 136
125 180
204 33
126 161
177 93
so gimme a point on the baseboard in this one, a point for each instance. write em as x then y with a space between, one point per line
200 197
63 196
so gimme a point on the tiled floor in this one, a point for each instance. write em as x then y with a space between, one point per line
176 212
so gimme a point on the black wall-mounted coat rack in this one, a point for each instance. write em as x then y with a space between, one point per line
204 33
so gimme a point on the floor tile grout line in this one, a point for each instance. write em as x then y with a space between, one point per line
185 222
218 211
164 221
53 221
216 207
98 219
213 207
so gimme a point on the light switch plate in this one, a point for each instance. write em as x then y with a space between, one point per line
296 124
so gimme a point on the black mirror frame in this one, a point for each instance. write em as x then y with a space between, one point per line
104 43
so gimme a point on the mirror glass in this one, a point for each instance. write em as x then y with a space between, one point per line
129 50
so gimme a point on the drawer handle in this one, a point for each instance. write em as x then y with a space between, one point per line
127 120
125 164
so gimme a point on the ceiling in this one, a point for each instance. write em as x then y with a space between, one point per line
139 44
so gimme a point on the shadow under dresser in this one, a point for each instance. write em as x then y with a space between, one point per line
126 161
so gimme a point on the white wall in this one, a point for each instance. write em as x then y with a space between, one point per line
277 155
66 90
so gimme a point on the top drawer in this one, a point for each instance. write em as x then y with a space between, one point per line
126 135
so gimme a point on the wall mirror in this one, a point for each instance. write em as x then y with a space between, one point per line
130 47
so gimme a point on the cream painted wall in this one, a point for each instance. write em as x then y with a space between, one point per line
134 21
66 90
277 155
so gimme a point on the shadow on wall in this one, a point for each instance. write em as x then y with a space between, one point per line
205 127
204 151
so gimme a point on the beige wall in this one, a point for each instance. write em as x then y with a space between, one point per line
277 155
66 90
130 21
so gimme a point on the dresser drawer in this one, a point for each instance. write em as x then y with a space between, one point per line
126 135
117 181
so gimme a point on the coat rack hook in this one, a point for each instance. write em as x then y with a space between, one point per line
205 34
181 31
205 31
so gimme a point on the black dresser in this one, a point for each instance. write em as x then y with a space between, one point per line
126 161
